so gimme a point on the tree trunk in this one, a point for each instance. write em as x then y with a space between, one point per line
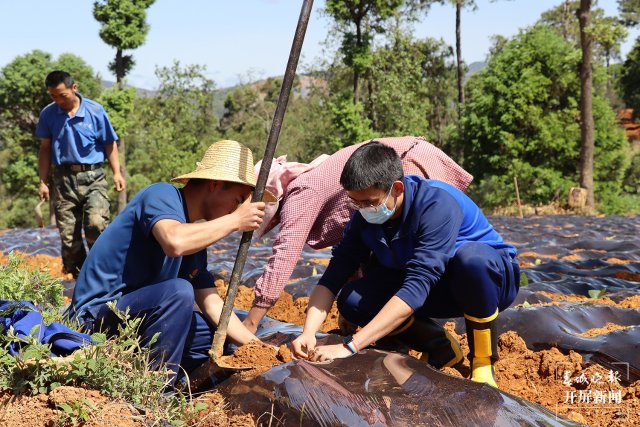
459 58
370 102
122 196
586 101
460 64
566 19
610 95
356 71
119 69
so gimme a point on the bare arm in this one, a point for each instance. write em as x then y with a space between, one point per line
111 150
297 217
254 316
44 166
178 239
319 305
210 304
394 312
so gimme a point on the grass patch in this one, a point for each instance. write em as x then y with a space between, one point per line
117 367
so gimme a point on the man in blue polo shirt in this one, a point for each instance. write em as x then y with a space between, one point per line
429 253
152 258
76 136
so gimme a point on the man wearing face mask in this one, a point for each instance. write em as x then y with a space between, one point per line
313 210
430 253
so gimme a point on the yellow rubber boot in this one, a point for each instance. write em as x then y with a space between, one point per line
438 347
483 347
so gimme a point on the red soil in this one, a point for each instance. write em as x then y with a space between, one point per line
548 377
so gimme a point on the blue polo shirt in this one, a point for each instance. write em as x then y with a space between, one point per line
79 139
436 220
127 256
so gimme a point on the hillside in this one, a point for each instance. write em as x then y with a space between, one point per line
306 82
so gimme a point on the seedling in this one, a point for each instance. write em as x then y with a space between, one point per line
597 293
76 413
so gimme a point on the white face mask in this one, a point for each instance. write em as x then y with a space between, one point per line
378 214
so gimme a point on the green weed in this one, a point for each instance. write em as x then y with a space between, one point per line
76 413
117 366
18 283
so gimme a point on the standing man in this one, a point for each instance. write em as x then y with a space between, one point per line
152 259
430 253
75 137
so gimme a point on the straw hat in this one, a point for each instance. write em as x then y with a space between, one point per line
226 161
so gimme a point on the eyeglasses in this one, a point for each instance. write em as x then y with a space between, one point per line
354 204
361 205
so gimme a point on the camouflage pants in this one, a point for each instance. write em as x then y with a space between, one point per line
81 202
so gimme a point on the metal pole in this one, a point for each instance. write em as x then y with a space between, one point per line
272 141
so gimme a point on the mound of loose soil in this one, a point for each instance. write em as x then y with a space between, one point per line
216 415
563 383
285 310
609 327
45 410
559 299
260 357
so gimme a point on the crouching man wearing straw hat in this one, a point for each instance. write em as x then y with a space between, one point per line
152 259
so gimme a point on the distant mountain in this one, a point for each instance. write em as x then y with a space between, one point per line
140 92
306 82
218 99
474 67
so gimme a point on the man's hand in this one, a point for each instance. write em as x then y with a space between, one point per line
43 191
330 352
249 215
119 182
303 346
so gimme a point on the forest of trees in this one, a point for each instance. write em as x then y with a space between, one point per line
543 109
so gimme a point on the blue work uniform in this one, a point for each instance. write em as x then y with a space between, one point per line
77 154
127 264
442 257
80 139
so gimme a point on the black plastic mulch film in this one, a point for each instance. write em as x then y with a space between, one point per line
378 389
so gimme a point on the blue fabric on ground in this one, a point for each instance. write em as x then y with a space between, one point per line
26 320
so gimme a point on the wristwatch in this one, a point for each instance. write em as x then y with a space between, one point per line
351 346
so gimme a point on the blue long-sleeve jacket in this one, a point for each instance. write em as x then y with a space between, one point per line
436 220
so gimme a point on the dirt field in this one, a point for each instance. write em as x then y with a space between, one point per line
583 391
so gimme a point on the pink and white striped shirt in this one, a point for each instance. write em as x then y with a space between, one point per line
314 208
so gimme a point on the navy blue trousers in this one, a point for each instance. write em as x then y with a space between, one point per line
185 336
477 280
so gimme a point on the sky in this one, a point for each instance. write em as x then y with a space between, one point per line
237 41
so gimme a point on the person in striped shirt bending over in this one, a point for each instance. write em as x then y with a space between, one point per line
314 209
